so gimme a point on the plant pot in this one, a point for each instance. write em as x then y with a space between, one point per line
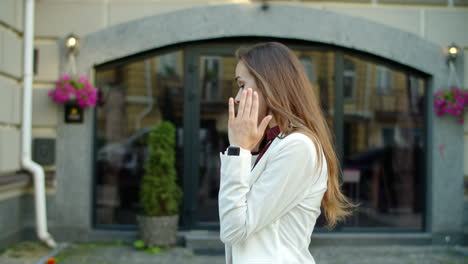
158 230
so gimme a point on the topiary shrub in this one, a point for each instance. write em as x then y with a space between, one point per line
159 194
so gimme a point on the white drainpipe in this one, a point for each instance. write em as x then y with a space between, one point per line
26 161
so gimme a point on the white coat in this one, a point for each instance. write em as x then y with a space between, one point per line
267 214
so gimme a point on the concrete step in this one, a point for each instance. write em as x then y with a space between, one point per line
203 242
208 241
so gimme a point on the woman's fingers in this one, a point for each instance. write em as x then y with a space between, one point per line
240 111
231 109
248 104
247 111
254 111
263 125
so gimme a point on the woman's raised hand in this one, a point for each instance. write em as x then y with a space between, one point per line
243 130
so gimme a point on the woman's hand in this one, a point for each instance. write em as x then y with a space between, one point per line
242 129
257 147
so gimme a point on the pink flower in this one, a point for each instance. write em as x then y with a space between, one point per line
68 88
65 77
451 101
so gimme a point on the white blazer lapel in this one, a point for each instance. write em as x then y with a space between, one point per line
257 169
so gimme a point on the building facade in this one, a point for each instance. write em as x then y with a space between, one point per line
373 64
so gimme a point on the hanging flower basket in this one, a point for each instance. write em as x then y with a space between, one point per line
451 101
70 90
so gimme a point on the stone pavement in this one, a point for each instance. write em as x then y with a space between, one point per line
124 254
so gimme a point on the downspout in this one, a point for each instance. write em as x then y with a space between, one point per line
26 161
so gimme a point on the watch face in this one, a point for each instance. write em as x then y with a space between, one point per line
233 151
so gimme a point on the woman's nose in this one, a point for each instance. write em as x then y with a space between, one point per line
238 96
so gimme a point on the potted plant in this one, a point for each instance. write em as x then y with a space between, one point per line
160 195
451 101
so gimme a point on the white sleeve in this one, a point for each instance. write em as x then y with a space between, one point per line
281 186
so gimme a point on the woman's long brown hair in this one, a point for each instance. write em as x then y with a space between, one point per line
289 96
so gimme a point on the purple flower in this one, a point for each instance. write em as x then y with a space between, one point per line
67 88
451 101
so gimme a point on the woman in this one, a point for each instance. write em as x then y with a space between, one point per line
269 201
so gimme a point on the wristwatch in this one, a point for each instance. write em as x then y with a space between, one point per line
233 151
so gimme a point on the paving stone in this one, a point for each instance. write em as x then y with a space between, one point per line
322 255
124 254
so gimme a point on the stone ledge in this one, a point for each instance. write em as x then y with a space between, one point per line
23 177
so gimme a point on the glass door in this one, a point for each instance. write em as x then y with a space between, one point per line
211 73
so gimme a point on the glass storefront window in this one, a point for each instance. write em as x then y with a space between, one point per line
137 96
383 146
377 118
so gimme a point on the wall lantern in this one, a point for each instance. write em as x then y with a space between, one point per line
72 44
453 51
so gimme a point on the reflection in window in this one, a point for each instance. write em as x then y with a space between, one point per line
349 79
138 95
211 87
383 148
415 86
309 68
320 69
384 80
167 64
